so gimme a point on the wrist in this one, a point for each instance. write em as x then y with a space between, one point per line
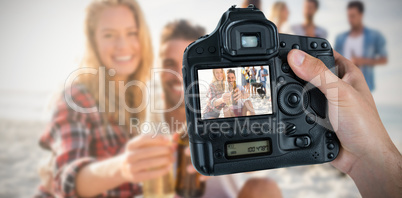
117 172
378 172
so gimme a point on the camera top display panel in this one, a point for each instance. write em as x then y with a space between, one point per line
234 92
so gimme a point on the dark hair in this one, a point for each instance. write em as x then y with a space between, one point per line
316 3
256 3
231 71
181 29
356 4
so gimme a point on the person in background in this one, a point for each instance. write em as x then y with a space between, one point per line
256 3
365 47
279 14
96 154
262 76
308 28
245 78
176 36
253 80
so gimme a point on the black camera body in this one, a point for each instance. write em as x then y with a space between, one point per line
294 131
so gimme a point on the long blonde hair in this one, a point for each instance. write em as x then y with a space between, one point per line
220 84
133 95
275 11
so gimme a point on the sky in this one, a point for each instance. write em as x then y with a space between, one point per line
41 41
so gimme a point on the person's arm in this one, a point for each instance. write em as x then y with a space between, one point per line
244 93
144 158
380 52
217 101
367 154
370 61
265 73
79 170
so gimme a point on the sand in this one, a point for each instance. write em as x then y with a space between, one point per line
21 155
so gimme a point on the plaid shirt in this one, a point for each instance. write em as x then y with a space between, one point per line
212 95
78 139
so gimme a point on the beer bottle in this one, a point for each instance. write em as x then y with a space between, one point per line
233 92
187 184
160 187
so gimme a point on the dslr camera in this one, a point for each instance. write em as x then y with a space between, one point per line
245 108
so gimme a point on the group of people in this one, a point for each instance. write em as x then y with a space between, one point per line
234 100
94 154
364 46
251 80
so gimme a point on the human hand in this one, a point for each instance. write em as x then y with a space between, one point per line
226 97
146 158
358 61
367 153
236 95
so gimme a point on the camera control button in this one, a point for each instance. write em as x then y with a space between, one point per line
310 118
212 49
293 99
329 135
295 46
283 44
214 135
290 129
330 155
200 50
281 79
218 154
314 45
330 146
285 68
324 45
302 142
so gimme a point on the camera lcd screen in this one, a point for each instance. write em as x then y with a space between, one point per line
248 148
234 92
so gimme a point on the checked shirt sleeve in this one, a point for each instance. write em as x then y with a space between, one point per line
69 136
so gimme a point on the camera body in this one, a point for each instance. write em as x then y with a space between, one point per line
289 126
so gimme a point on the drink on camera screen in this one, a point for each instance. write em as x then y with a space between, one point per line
234 92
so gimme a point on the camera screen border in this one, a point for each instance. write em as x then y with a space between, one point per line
197 105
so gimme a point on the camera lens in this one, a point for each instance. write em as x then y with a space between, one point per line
250 40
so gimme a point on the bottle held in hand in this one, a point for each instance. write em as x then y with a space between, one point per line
187 184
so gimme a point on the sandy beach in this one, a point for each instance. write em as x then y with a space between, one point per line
21 156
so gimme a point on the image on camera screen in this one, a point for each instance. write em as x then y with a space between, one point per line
234 92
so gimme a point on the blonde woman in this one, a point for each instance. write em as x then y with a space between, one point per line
96 152
216 96
279 14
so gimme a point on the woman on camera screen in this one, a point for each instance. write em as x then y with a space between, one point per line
216 96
